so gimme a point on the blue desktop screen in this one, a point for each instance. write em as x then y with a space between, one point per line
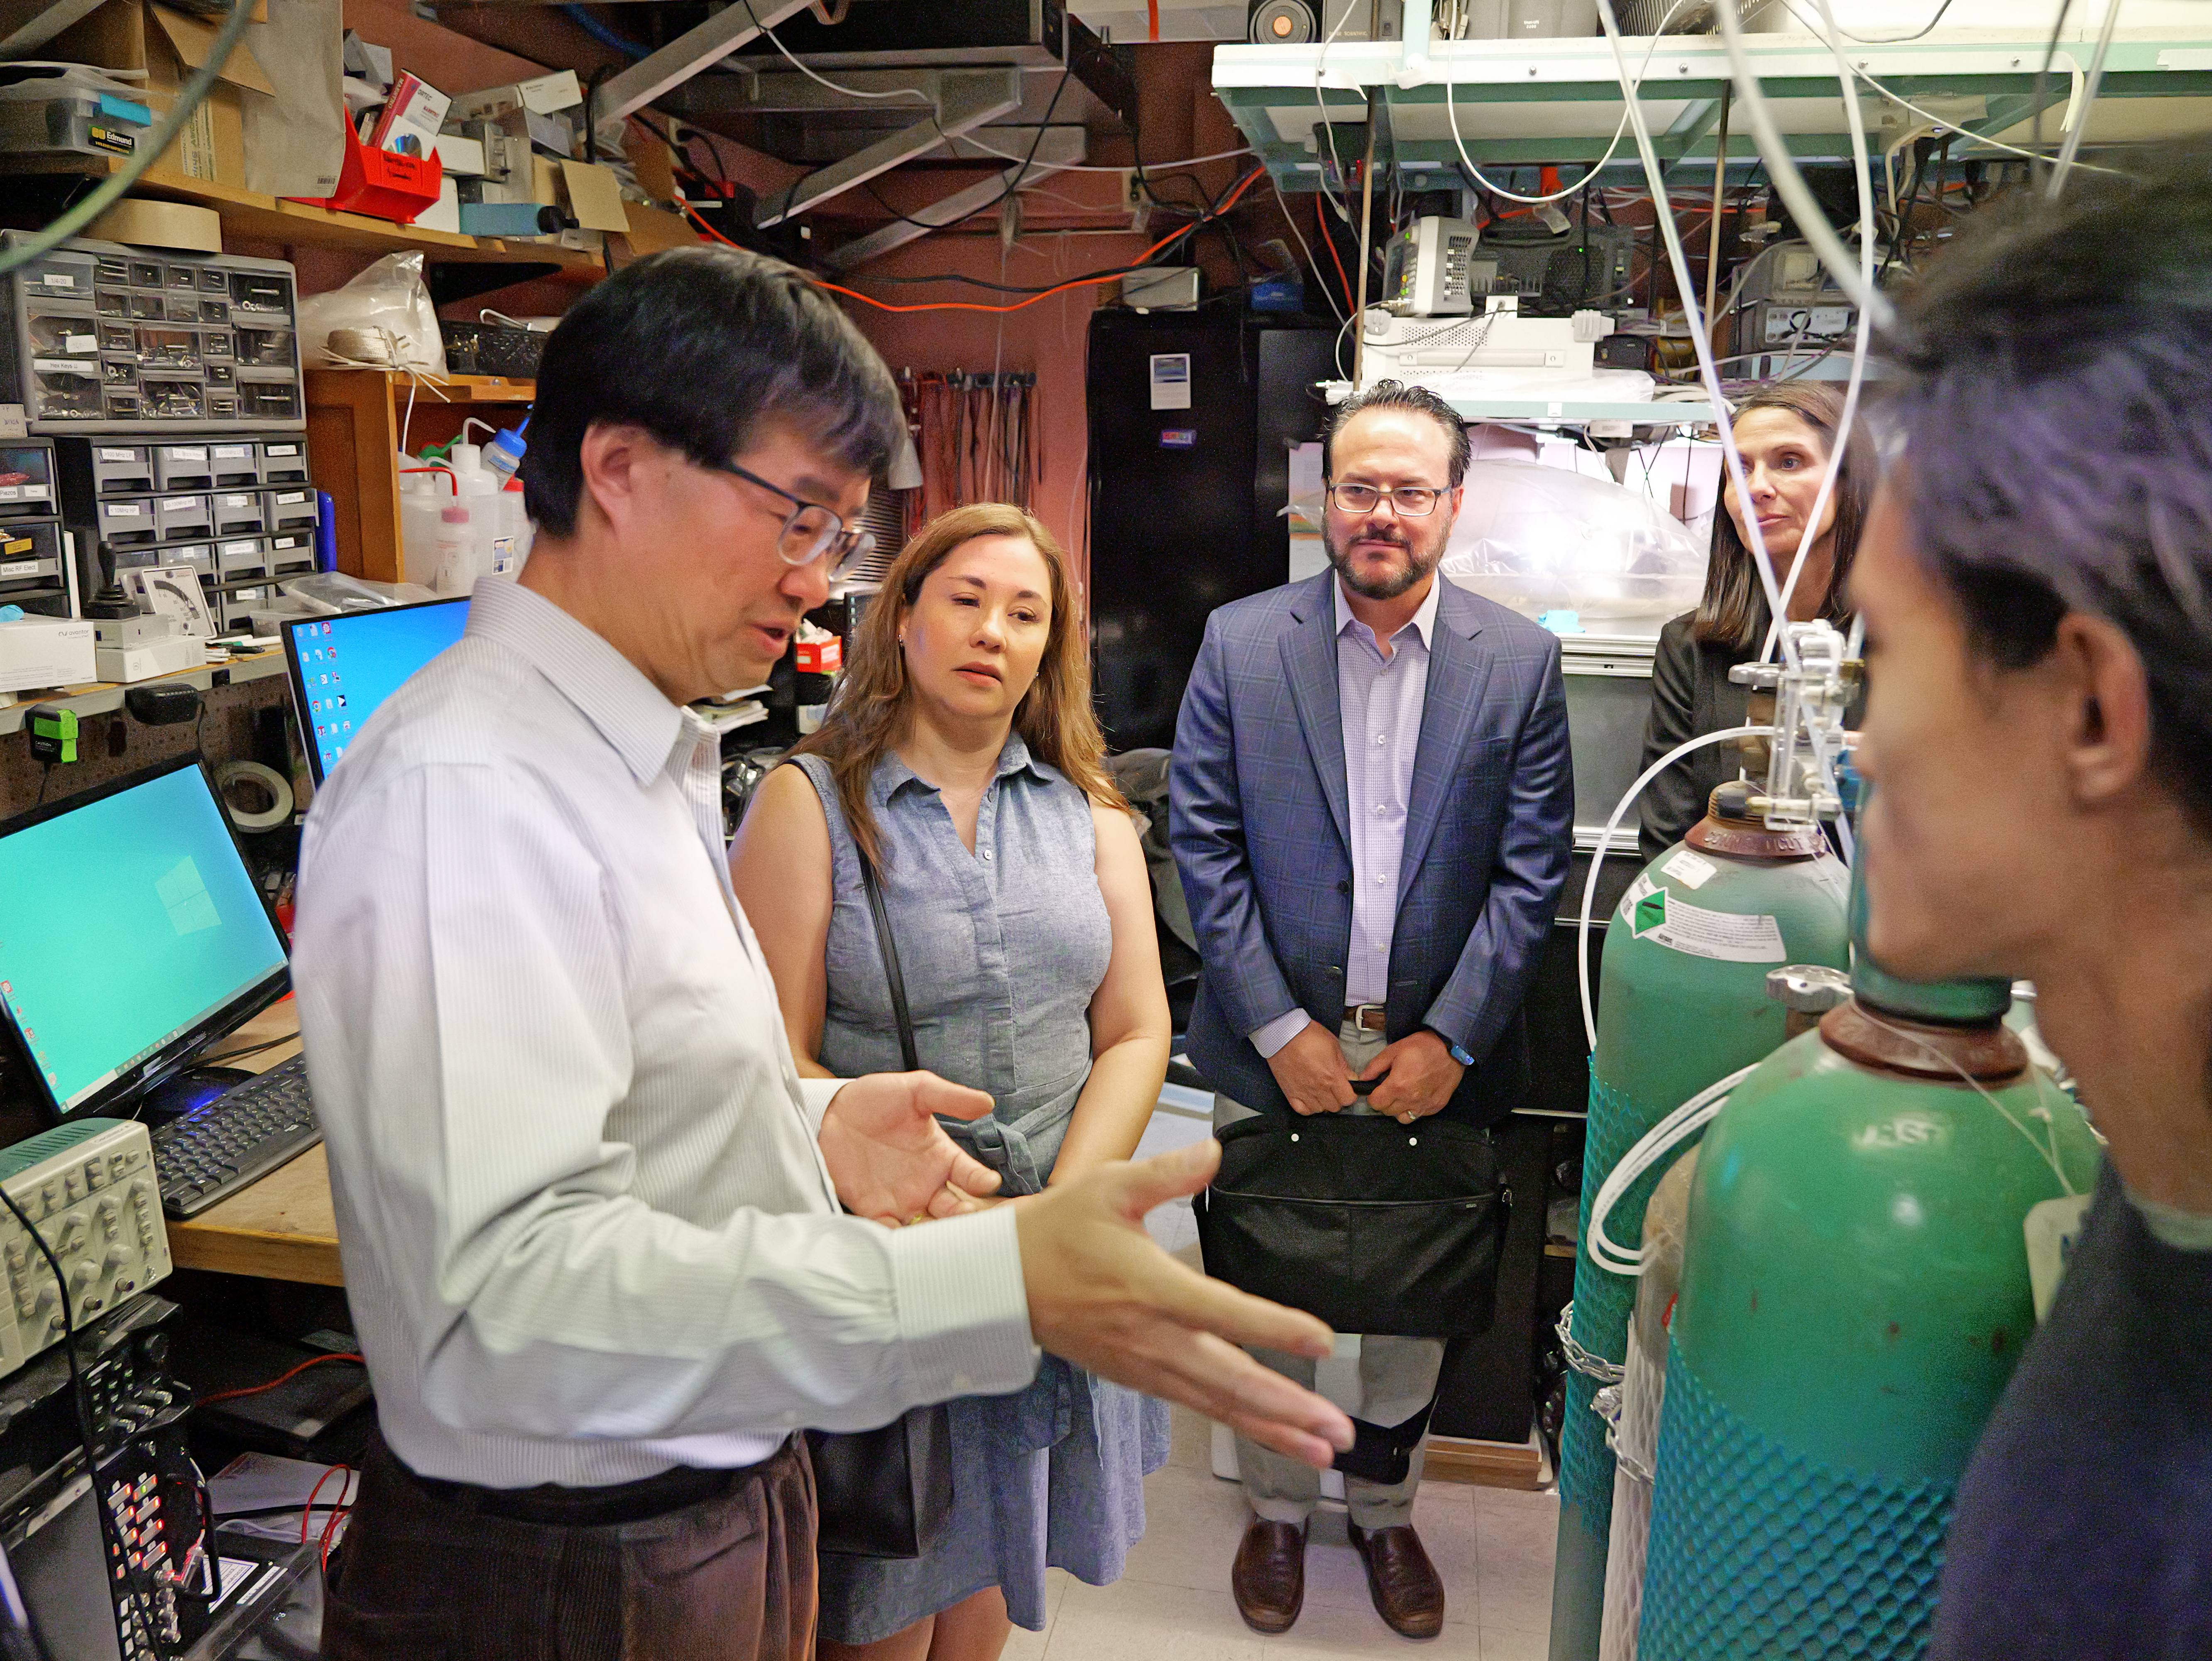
349 665
128 922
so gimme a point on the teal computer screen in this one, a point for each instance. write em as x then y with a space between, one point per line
346 666
127 922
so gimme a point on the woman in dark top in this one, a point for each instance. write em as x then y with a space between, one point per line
1787 432
2037 587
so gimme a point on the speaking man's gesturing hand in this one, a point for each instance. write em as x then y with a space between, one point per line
1104 1295
890 1159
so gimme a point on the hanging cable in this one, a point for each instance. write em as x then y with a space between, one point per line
1628 90
1782 167
849 92
1605 846
151 145
1762 561
2081 122
1227 203
1861 338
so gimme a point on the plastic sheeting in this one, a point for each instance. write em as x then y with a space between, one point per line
1539 539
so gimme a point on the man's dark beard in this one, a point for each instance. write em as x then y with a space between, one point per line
1389 587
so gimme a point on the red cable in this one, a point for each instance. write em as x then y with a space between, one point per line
315 1493
1320 227
1153 16
256 1390
1227 202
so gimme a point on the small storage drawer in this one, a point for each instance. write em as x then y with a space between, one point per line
26 479
127 524
241 556
283 461
290 554
290 510
122 469
239 512
183 467
30 554
182 516
236 462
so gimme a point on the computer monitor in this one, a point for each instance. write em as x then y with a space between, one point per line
131 935
343 666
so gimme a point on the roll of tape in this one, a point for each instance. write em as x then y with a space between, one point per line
160 225
235 773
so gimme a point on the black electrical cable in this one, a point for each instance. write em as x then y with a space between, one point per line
1087 277
45 777
81 1399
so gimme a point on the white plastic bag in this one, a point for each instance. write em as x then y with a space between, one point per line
1542 539
382 319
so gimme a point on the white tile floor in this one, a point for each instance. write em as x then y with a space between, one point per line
1492 1548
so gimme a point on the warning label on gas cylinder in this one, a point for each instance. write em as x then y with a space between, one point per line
1667 919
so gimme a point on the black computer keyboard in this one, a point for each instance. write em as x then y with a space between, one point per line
206 1155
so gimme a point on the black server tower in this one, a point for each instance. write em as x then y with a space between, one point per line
1192 414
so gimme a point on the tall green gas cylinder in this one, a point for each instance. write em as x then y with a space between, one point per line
1855 1294
1682 1003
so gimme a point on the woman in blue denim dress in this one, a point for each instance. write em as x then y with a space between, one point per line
961 757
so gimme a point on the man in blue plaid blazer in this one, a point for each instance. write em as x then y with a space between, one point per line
1371 809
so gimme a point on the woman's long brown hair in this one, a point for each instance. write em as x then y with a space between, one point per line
873 706
1734 610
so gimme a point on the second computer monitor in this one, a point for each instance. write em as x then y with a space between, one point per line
343 666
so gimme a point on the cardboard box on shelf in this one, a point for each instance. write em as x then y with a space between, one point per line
137 37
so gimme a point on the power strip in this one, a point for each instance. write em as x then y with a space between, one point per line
89 1189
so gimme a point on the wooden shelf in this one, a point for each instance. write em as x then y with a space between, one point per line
359 420
101 698
250 215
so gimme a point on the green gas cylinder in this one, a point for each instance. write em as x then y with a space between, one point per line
1855 1294
1682 1003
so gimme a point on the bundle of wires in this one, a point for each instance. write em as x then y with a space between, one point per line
1146 261
978 438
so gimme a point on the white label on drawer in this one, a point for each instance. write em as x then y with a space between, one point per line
59 280
80 345
122 509
21 568
63 366
186 453
233 549
35 492
11 492
241 500
233 452
286 498
280 449
119 455
181 504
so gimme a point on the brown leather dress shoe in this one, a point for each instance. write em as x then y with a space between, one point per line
1402 1581
1269 1577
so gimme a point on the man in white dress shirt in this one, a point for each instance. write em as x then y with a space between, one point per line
588 1210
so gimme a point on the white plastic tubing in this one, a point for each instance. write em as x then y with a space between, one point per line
1605 843
1679 1126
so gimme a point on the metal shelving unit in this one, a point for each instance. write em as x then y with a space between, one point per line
1523 102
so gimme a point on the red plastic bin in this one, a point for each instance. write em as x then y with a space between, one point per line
382 184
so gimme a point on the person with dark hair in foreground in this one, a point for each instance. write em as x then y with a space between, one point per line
1787 432
589 1210
2036 582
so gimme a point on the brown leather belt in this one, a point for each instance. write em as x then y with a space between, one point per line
1367 1017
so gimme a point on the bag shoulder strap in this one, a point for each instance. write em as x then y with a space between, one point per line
882 915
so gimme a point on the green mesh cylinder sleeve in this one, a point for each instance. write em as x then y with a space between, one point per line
1855 1295
1759 1553
1682 1003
